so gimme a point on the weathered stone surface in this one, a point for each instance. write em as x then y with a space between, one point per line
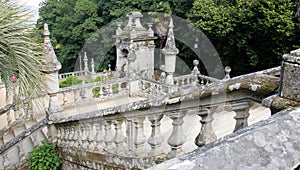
291 81
271 144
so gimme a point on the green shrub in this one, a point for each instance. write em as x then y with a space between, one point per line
70 81
44 157
96 91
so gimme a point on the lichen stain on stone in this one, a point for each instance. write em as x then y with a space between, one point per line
234 86
254 87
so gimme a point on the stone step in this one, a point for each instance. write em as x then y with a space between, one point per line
28 124
19 130
1 141
8 136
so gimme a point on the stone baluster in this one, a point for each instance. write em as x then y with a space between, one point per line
119 138
77 96
34 140
119 87
139 136
6 163
71 136
67 136
17 112
108 138
82 93
65 98
130 135
177 137
21 152
8 118
101 93
156 138
207 134
110 87
58 137
62 134
85 133
99 142
182 82
242 114
91 136
82 135
76 136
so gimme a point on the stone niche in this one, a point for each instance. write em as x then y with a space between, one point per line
290 85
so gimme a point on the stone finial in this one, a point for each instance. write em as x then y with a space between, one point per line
93 66
109 67
119 30
52 64
195 71
227 72
150 32
170 47
85 60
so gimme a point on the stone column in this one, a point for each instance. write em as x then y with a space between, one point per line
50 69
170 51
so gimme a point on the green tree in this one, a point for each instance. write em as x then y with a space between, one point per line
20 54
74 22
249 35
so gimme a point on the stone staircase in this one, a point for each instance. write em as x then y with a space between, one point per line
21 130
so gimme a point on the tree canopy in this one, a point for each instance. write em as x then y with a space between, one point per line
248 35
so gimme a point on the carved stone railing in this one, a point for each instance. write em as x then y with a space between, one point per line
23 111
15 153
75 73
98 91
118 136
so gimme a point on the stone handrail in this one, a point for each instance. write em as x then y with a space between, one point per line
185 80
98 91
15 153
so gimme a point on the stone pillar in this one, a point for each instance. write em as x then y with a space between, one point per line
170 51
290 77
50 69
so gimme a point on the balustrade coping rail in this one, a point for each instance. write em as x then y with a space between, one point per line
23 135
94 84
170 98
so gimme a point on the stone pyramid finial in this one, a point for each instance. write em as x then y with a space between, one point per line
52 64
170 47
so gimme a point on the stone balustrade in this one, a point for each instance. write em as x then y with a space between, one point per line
75 73
24 111
135 139
98 91
15 153
185 80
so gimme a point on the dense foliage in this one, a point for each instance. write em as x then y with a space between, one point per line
248 35
44 157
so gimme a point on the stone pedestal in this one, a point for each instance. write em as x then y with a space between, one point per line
290 77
